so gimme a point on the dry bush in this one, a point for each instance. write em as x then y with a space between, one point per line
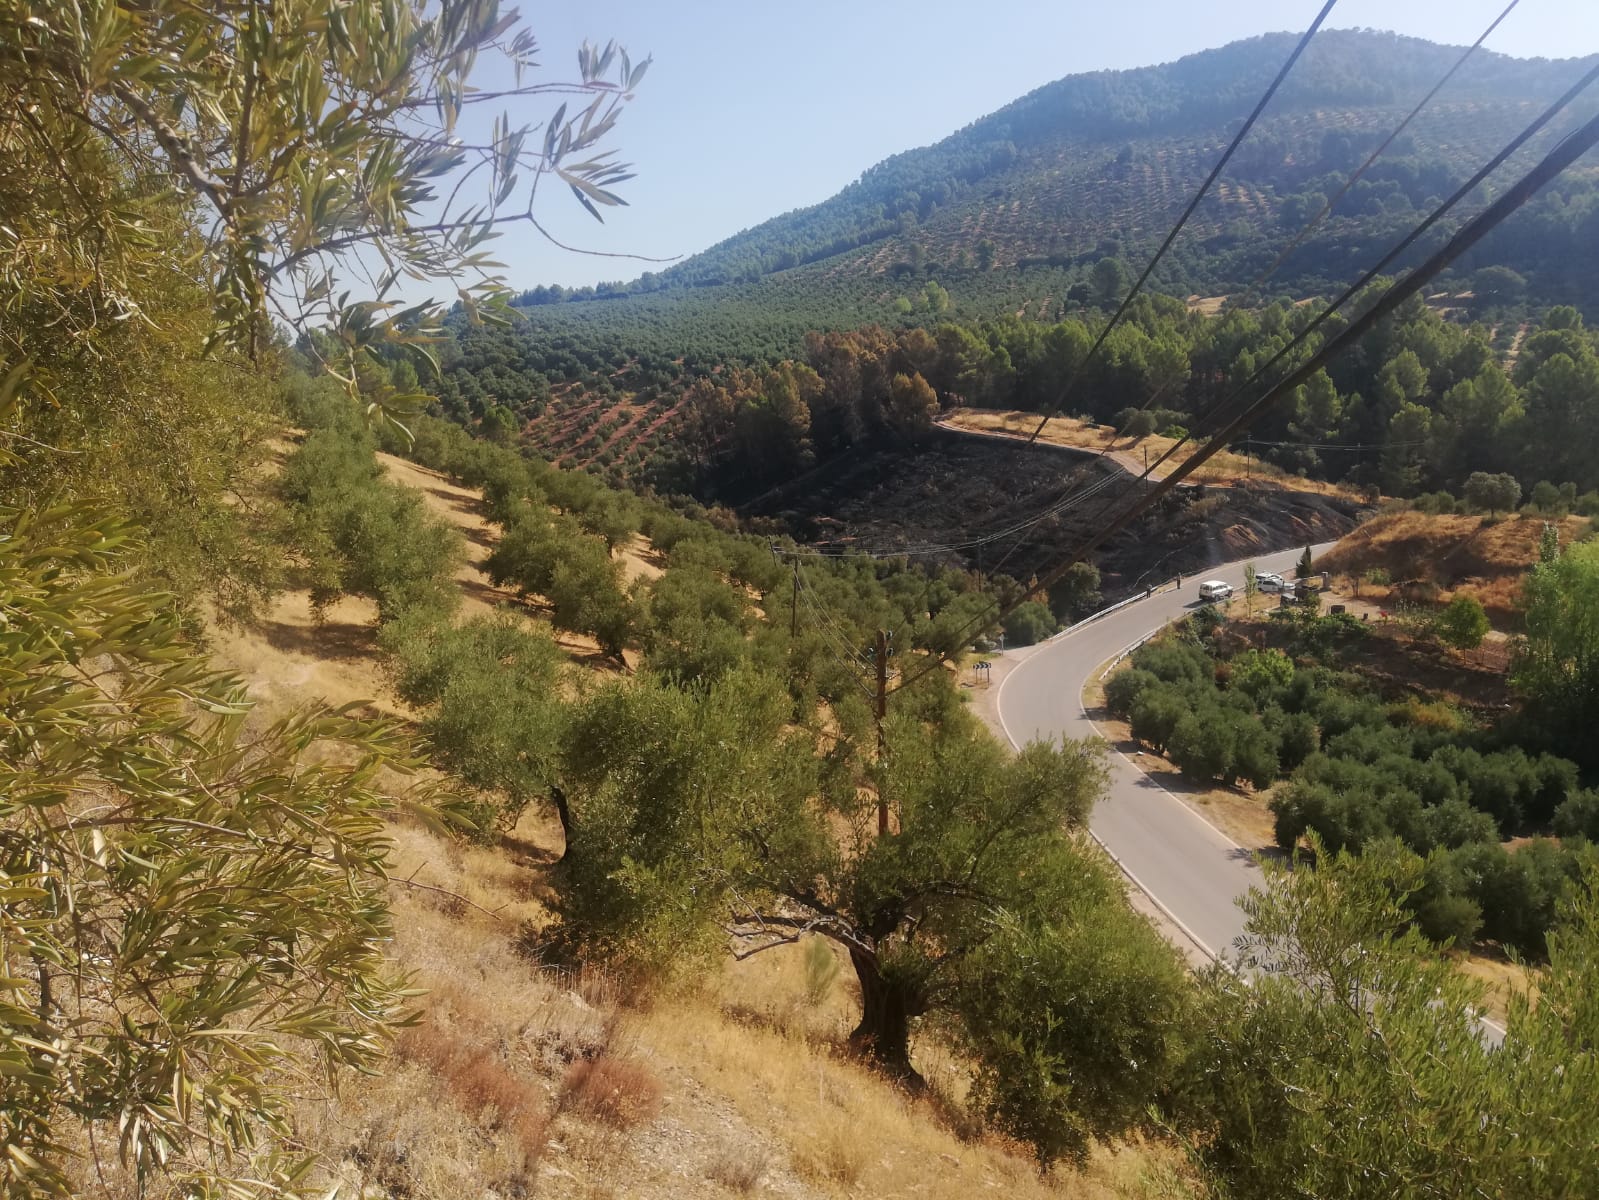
739 1169
480 1084
837 1150
579 1019
620 1092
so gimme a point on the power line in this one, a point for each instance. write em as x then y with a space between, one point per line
1360 171
1064 500
1567 151
1243 132
1404 244
835 641
1187 468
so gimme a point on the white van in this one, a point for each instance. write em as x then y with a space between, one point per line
1215 589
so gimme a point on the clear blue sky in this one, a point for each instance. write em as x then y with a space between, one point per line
755 108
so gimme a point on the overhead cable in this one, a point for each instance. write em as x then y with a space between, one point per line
1243 132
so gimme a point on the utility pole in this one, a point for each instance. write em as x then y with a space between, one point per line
793 605
881 712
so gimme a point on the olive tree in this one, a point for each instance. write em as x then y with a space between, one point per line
1463 623
314 140
1556 662
704 822
193 906
1352 1060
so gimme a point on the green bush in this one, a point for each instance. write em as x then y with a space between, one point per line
1463 624
1031 622
697 626
1173 661
490 691
1155 714
360 534
1578 816
1124 687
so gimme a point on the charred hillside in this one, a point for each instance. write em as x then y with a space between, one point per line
946 499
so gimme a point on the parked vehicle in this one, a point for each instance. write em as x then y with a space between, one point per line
1215 589
1270 581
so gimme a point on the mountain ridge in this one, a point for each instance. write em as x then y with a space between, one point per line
1100 161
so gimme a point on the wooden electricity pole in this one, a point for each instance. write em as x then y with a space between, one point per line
793 605
881 711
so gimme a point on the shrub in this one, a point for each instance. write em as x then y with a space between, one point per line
1155 714
1031 622
362 535
1463 624
1443 911
1578 816
1552 501
1490 493
495 715
697 623
1255 752
1137 422
1201 744
1297 737
1519 891
1435 502
618 1092
586 595
738 1169
1172 661
480 1084
1258 673
1123 689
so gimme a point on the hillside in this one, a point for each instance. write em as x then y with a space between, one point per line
558 839
1010 213
908 499
735 1086
1035 217
1430 557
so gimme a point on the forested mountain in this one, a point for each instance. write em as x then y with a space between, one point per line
1012 213
990 260
1113 153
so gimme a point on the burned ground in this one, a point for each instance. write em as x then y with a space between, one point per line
939 499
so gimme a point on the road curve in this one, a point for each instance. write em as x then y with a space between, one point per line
1190 869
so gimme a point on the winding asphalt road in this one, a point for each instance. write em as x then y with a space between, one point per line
1193 872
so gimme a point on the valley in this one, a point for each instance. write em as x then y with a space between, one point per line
809 719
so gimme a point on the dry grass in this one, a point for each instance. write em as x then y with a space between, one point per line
1130 452
1448 553
619 1092
481 1085
843 1130
738 1169
518 1080
1500 978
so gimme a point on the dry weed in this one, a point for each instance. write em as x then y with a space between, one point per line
837 1150
481 1085
620 1092
738 1169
